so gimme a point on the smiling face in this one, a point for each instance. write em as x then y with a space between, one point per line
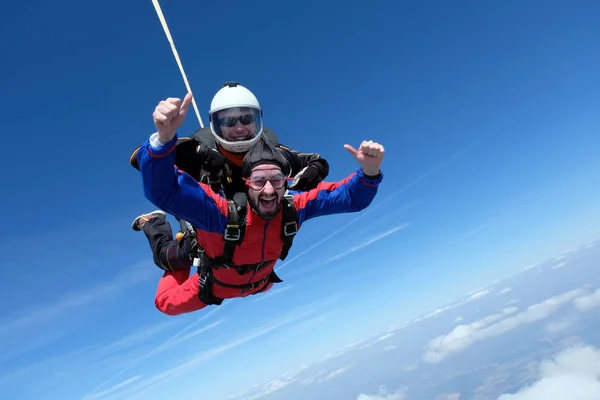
266 189
237 123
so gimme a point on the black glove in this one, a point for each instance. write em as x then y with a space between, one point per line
212 161
306 179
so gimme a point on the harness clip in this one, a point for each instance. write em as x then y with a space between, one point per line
232 233
292 231
203 276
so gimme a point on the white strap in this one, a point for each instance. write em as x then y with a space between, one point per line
170 39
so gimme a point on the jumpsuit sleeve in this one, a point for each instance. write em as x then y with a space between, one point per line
352 194
177 192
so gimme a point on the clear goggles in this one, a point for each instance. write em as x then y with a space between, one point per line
226 123
258 181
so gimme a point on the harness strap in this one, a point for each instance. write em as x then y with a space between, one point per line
207 280
247 286
205 290
220 262
289 224
236 227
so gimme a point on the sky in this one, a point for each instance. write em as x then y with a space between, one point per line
487 112
501 341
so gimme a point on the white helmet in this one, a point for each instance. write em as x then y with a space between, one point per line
233 96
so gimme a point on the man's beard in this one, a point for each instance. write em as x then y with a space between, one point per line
255 204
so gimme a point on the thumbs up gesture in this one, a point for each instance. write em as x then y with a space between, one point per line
169 115
369 155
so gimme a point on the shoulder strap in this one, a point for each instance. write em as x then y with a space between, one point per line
289 224
205 136
236 226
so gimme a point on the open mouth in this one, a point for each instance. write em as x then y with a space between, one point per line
268 203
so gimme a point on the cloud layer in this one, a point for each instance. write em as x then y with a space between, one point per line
383 394
463 336
573 374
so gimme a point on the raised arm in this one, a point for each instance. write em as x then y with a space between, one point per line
355 193
171 190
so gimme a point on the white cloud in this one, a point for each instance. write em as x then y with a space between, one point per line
463 336
366 243
452 396
135 337
383 394
384 337
447 396
472 296
273 292
269 387
182 338
527 268
565 254
573 374
561 325
345 349
265 388
335 373
586 303
435 312
458 319
478 294
505 290
325 375
335 233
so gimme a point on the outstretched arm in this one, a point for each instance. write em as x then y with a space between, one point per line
352 194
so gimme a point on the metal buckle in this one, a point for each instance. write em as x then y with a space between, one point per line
232 233
294 229
203 278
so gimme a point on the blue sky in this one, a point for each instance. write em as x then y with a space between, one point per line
488 113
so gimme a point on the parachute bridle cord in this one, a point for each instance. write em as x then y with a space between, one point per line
161 17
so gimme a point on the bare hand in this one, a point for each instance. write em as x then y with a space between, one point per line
169 115
369 155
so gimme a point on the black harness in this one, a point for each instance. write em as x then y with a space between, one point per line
233 237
